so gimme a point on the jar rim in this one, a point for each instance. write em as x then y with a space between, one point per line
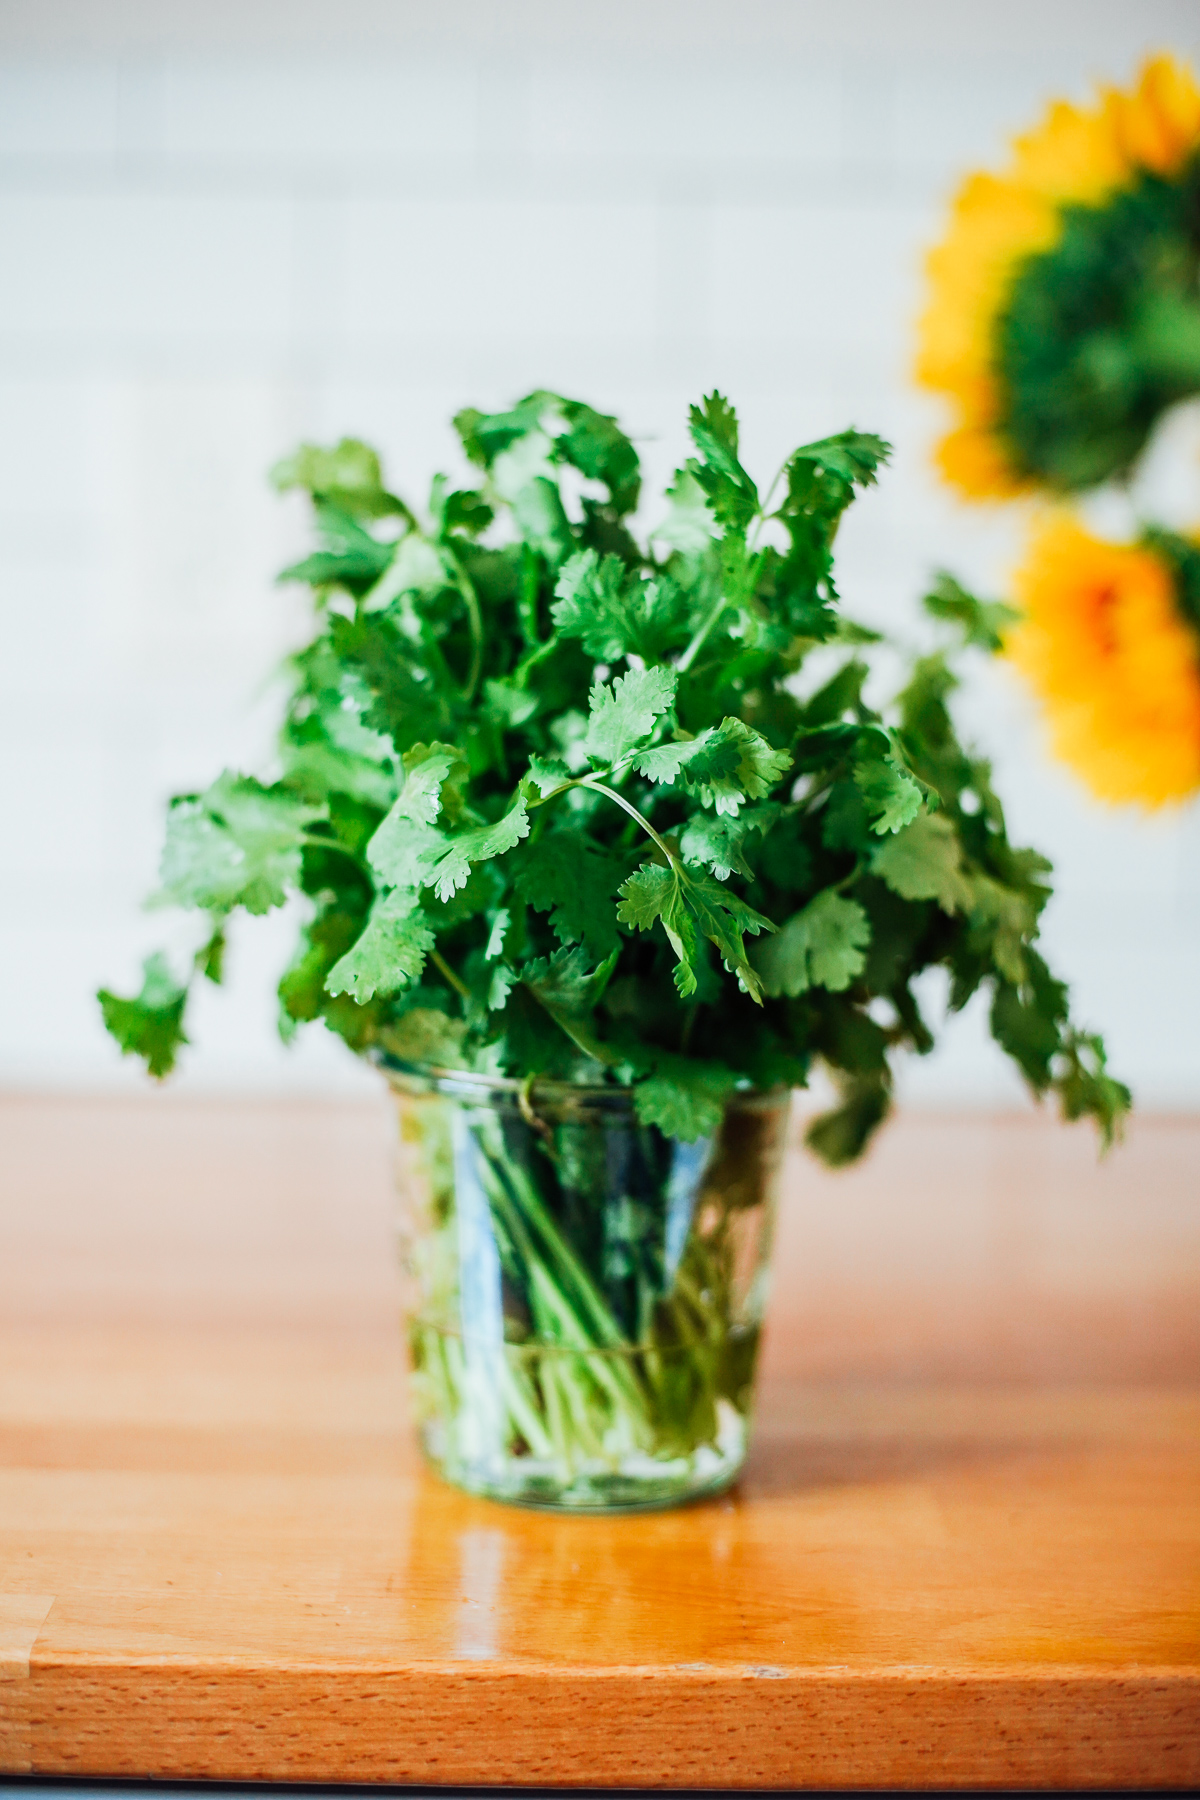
426 1078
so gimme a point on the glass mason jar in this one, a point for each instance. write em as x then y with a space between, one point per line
585 1294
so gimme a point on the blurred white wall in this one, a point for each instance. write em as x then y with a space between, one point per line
223 227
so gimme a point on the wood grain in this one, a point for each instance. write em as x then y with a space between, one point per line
966 1551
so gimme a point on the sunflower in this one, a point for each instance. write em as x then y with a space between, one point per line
1110 639
1064 302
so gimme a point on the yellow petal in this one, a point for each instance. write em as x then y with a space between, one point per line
1104 644
1158 125
974 461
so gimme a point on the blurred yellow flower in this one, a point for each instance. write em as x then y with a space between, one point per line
1104 643
1075 158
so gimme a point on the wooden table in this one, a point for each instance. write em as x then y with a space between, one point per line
966 1551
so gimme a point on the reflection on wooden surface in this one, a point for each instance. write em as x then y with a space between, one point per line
966 1550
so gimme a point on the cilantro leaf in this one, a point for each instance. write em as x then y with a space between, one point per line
210 958
406 844
824 945
734 763
662 762
511 704
726 764
685 1096
448 869
589 604
983 623
717 840
924 862
457 509
893 799
616 613
416 567
684 901
596 446
151 1024
653 892
391 951
1085 1088
548 774
351 558
625 711
1028 1021
237 844
688 526
821 480
840 1136
331 750
1004 919
338 921
566 875
348 476
426 1039
723 918
568 988
732 496
562 430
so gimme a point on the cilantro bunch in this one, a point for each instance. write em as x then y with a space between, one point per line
563 803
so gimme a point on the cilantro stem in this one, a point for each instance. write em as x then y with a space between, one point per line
626 806
599 787
456 982
697 644
470 598
324 843
763 511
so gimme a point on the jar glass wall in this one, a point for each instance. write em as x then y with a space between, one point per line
584 1293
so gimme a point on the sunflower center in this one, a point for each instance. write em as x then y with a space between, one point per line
1101 332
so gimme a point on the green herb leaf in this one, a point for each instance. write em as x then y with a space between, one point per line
717 840
406 846
822 946
390 953
840 1136
1086 1089
568 988
237 844
625 711
656 892
734 763
684 902
426 1038
348 476
685 1097
151 1025
732 496
924 862
983 623
688 526
564 874
616 613
351 558
448 870
893 799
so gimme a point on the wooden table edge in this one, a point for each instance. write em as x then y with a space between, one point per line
236 1718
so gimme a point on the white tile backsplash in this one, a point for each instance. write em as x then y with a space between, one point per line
135 265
